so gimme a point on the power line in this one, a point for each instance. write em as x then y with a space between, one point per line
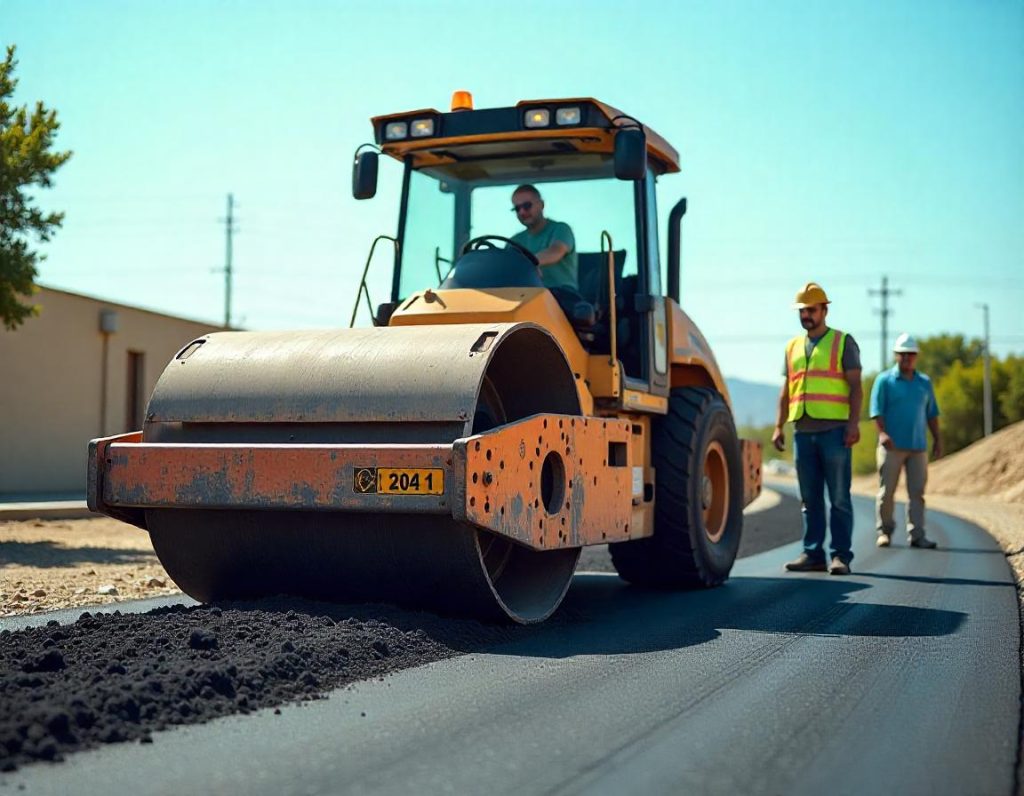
774 337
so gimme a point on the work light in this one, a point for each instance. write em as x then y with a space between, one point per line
537 117
422 128
567 116
396 130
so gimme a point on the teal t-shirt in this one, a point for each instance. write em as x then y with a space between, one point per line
564 273
906 405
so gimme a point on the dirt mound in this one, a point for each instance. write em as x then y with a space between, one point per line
991 467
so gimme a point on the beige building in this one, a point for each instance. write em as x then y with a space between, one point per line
83 368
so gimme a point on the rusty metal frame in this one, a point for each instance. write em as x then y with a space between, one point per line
586 462
494 480
268 476
750 451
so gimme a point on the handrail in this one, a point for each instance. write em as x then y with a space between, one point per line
613 354
363 289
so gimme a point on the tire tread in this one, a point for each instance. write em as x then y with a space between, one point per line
674 557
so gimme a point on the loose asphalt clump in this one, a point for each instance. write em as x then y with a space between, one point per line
118 677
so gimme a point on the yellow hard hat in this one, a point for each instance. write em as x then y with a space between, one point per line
810 295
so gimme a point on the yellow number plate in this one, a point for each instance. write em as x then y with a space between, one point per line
410 481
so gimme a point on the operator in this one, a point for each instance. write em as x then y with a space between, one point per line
553 245
822 396
902 404
551 242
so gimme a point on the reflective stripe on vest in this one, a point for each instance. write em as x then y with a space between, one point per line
818 387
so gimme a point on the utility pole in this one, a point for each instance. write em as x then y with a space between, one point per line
988 375
885 312
229 230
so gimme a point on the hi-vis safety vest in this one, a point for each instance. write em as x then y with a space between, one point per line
818 387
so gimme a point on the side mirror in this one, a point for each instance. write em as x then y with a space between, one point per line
630 154
364 175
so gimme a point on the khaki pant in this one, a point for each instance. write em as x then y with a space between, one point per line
890 463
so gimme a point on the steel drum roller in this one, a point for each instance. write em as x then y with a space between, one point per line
369 386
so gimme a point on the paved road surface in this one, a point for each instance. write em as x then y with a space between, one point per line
903 678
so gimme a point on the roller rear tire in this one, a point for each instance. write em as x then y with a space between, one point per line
698 498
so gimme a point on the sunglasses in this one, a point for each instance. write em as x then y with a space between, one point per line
522 206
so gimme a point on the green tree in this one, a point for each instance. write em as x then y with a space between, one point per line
763 434
1011 399
960 395
867 384
863 454
938 353
26 163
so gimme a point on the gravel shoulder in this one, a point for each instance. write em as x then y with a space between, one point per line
46 565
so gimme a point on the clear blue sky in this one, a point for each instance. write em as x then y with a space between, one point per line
838 142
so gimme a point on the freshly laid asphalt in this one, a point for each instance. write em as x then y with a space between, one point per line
901 678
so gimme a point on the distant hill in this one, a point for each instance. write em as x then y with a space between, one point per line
753 403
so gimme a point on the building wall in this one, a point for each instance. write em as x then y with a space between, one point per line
52 384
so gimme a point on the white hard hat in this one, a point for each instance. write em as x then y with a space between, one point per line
905 344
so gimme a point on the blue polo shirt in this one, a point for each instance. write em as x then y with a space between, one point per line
905 405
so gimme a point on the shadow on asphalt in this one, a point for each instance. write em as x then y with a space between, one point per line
940 581
604 616
763 530
47 554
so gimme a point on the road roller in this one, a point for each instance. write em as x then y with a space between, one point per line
456 451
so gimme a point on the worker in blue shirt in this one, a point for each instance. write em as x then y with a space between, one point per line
902 404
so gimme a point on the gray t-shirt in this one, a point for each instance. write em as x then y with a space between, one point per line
851 361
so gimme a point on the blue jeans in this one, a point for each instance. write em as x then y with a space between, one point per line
823 461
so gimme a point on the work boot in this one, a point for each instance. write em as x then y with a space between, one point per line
923 542
839 567
883 540
804 563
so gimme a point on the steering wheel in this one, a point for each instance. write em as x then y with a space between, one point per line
487 242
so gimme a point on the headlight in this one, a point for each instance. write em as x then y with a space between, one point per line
422 128
396 130
537 117
567 116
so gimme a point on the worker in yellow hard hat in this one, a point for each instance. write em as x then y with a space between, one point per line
822 396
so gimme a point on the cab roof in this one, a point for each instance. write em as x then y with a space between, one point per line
466 135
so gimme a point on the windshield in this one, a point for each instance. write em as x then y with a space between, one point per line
447 206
